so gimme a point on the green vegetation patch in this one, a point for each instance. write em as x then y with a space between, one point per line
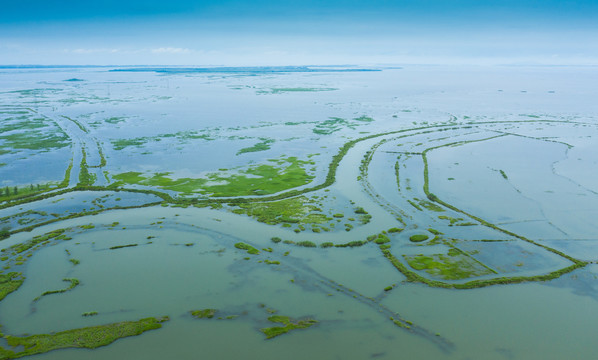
418 238
364 118
203 313
25 133
19 248
250 249
272 262
115 119
181 137
306 243
451 219
261 179
351 244
19 192
381 239
85 177
334 124
90 337
429 205
8 283
122 246
261 146
297 210
289 325
331 126
74 282
454 266
21 123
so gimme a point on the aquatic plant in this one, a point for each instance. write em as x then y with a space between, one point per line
434 231
289 325
250 249
418 238
355 243
9 283
203 313
381 239
74 282
272 262
122 246
306 243
456 266
262 179
89 337
261 146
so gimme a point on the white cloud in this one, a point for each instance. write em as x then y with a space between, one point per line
91 51
171 50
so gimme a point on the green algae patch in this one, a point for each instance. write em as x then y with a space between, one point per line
250 249
203 313
262 179
454 266
289 325
418 238
90 337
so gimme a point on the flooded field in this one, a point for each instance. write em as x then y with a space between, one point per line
298 212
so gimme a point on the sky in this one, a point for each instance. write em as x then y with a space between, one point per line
298 32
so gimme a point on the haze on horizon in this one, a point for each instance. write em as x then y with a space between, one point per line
240 32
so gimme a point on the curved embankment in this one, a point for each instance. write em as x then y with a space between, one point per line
415 277
412 276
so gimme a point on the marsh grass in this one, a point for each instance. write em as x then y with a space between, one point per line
288 325
89 337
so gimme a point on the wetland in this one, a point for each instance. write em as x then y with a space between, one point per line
326 213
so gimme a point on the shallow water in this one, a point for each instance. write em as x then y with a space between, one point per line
472 123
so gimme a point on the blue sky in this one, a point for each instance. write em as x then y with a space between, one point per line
283 32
